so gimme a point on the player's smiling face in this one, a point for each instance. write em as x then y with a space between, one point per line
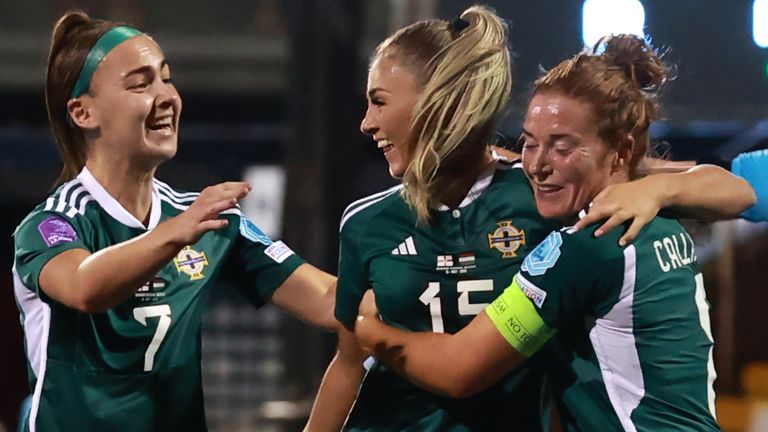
134 105
566 161
392 93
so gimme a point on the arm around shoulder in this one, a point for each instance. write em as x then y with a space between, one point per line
479 355
708 192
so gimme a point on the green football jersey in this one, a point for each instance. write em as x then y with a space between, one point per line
631 342
135 367
437 277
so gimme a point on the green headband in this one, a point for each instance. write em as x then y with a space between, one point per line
106 43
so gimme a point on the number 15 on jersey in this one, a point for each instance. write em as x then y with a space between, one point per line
430 298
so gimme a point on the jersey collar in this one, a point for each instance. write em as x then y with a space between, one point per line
477 189
114 208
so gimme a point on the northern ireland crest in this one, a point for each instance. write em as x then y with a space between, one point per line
507 239
191 262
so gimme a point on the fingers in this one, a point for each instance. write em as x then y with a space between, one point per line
615 220
592 217
212 225
214 209
634 229
238 189
597 212
226 190
220 197
368 304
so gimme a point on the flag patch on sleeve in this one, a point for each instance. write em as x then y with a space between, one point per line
55 230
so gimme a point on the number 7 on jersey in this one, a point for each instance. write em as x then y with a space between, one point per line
163 312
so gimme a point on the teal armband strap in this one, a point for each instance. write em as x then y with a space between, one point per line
517 319
106 43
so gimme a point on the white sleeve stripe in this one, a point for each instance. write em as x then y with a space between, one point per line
183 196
364 201
61 205
356 211
65 190
85 201
173 203
76 195
185 201
349 213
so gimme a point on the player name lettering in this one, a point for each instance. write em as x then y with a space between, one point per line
674 251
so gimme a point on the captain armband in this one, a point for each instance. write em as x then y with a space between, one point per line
517 319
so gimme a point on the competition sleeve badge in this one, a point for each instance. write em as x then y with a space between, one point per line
56 230
544 256
507 239
191 262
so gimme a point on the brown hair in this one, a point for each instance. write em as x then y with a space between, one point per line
464 72
74 34
620 77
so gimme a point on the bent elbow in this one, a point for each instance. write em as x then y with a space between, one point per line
90 305
90 299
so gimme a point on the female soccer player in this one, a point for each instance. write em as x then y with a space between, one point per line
442 245
113 270
438 248
630 342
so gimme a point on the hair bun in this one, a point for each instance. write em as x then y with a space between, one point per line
636 57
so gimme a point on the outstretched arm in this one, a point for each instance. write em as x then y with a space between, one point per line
705 192
339 387
309 294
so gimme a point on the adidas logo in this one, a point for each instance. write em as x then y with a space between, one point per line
405 248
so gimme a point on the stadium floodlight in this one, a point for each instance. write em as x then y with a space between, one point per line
603 17
760 23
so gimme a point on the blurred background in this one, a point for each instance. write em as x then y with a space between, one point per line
274 92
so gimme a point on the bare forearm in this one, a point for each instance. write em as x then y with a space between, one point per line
310 295
707 192
336 396
112 275
429 360
99 281
341 382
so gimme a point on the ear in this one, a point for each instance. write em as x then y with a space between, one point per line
81 113
624 153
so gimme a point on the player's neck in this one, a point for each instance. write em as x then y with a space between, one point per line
129 186
455 194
